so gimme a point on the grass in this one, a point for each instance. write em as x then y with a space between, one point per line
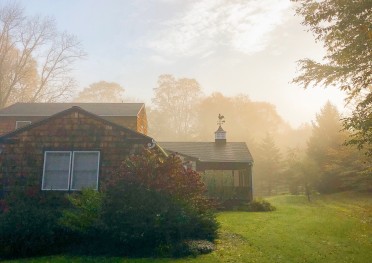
334 228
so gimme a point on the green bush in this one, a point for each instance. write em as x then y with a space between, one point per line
29 225
129 219
139 221
257 205
153 203
149 206
84 216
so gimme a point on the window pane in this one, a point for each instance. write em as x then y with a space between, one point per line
20 124
85 170
56 170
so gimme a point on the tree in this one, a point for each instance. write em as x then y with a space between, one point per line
35 59
268 165
340 167
307 174
344 27
326 136
101 92
174 110
245 119
326 133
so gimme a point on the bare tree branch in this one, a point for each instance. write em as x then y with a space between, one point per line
35 59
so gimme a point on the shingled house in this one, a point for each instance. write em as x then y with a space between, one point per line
69 146
226 167
130 115
68 150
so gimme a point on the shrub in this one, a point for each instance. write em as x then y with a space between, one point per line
29 225
166 174
84 216
151 204
169 198
143 219
258 205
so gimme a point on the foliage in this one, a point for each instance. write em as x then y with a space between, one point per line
268 166
166 174
101 92
85 215
308 175
30 224
174 111
143 219
179 188
326 132
257 205
151 204
35 59
344 27
340 167
290 172
329 166
245 119
360 125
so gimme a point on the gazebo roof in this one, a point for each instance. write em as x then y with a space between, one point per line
231 152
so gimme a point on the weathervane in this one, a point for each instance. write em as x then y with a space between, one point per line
221 119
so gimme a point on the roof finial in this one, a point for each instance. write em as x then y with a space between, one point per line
221 119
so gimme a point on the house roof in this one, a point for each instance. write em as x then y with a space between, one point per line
6 136
49 109
234 152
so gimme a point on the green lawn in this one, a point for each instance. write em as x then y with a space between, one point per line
335 228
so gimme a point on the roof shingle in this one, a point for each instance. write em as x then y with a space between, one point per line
49 109
210 151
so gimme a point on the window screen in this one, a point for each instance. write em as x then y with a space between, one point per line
85 170
70 170
20 124
56 170
236 178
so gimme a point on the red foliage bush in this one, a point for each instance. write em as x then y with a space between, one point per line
165 174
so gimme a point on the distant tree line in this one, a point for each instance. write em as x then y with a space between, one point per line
303 160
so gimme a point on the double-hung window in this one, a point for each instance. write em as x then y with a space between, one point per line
70 170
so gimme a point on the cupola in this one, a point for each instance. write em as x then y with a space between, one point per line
220 134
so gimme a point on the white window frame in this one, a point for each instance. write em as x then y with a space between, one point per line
70 171
18 122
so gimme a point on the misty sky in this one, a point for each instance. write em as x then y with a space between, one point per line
231 46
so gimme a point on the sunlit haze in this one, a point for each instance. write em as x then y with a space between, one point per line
233 47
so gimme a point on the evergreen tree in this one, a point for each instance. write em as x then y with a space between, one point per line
268 166
341 167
